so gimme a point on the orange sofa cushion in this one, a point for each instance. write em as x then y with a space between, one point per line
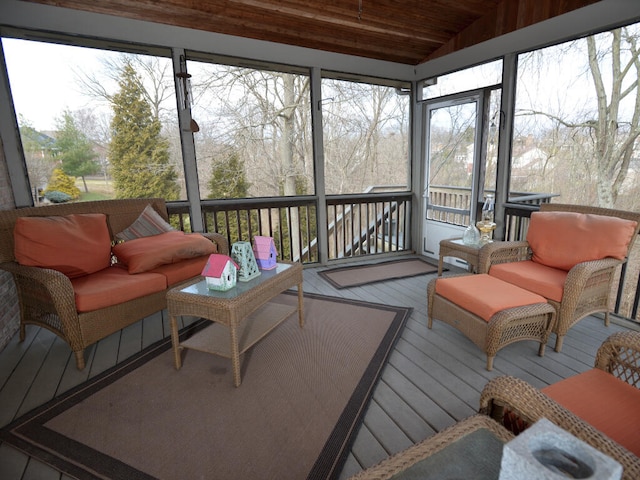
112 286
144 254
484 295
75 245
603 401
535 277
564 239
183 270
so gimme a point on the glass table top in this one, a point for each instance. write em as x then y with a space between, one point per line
200 288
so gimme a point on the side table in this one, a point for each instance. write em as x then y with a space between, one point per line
454 247
471 448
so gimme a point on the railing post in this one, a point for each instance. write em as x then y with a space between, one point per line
318 162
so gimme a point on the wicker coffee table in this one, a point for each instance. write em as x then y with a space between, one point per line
241 316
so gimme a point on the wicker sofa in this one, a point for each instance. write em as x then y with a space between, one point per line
570 257
599 406
87 306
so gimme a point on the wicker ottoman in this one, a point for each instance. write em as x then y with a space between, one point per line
490 312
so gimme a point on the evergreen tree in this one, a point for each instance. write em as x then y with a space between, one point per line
228 180
61 182
138 155
74 150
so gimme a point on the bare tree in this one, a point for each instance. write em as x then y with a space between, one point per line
602 139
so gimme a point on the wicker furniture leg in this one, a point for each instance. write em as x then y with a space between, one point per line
175 341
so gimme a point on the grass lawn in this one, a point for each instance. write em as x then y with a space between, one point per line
99 189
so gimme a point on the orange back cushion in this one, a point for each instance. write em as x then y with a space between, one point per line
75 245
564 239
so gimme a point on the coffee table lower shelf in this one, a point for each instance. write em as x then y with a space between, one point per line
215 338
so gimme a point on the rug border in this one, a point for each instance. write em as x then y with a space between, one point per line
324 273
336 449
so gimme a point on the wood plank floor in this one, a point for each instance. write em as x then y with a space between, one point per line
433 378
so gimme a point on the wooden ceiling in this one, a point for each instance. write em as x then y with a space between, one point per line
402 31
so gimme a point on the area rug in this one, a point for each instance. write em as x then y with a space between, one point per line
303 395
358 275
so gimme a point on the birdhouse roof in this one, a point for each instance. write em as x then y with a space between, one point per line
216 265
262 246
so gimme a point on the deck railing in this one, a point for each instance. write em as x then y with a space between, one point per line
366 224
372 224
291 221
451 205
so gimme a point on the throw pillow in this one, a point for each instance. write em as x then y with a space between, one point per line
75 245
144 254
147 224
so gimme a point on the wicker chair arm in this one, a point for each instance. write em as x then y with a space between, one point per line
220 240
502 252
585 281
527 404
581 273
620 356
51 289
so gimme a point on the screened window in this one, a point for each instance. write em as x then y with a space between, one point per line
568 143
94 123
255 131
366 137
473 78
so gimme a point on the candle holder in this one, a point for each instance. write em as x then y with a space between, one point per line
486 231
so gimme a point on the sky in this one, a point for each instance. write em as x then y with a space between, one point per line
28 62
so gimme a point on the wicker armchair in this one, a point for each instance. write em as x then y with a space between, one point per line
588 285
516 404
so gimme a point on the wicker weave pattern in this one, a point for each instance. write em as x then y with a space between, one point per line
46 296
432 445
620 356
588 286
517 404
528 322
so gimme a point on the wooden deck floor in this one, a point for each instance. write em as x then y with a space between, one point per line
433 378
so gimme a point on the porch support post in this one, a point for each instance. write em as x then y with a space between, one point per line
318 165
187 143
505 140
11 144
417 175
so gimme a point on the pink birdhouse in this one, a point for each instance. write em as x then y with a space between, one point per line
264 249
220 272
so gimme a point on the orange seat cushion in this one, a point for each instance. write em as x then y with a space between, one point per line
564 239
75 245
603 401
183 270
112 286
147 253
484 295
535 277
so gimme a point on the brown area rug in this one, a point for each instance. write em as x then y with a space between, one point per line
303 396
358 275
